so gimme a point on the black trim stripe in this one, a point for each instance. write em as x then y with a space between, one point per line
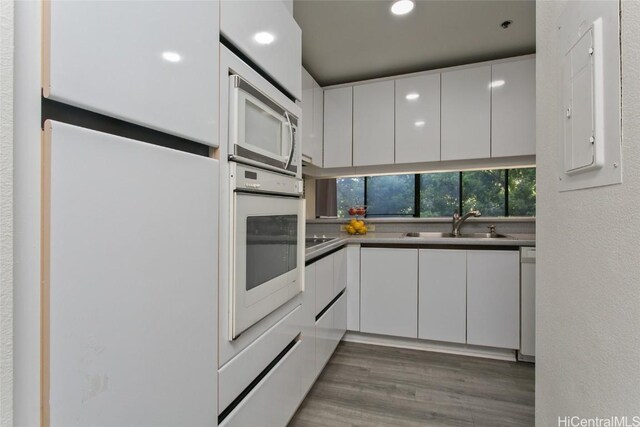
326 254
61 112
418 245
333 301
224 414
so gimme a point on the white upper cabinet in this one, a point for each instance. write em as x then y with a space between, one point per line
418 119
373 124
266 32
312 105
466 114
513 108
306 122
166 77
338 127
318 125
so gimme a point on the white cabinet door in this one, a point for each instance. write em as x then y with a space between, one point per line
318 124
466 114
339 271
353 287
373 124
493 298
418 119
513 108
338 126
245 23
389 291
129 236
308 347
306 122
324 340
324 283
442 302
165 77
339 319
312 105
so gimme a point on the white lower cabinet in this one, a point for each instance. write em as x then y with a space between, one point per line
339 271
493 298
324 283
389 291
275 399
442 302
449 295
330 328
308 350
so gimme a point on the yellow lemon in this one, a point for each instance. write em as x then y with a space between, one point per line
350 229
353 221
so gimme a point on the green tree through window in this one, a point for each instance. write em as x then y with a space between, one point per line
494 192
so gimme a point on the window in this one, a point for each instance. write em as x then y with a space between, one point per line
494 192
439 194
484 191
391 195
349 192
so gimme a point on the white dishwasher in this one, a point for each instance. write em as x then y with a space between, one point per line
527 304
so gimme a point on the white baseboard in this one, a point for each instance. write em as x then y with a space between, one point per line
424 345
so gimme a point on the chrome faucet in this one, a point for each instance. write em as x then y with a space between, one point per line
458 220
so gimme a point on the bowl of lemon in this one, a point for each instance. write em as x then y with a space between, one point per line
356 226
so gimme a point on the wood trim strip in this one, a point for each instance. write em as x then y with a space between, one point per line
45 271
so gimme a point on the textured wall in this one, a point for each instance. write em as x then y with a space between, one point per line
6 213
588 294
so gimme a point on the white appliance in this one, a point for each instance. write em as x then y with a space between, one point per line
268 243
261 131
527 304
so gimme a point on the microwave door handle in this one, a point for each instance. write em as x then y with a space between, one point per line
292 141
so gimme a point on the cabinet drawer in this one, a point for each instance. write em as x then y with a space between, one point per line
275 399
329 331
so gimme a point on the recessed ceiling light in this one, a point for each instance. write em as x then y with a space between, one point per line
171 56
264 37
497 83
419 123
402 7
412 96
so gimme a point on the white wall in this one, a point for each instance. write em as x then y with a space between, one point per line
26 273
588 266
6 213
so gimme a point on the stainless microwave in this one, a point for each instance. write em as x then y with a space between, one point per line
262 132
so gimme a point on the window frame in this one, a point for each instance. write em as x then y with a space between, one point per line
418 187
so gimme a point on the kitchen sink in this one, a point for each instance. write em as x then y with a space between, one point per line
437 235
429 235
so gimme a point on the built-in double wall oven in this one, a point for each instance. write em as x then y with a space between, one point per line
267 219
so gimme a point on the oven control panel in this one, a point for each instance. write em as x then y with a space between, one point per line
252 179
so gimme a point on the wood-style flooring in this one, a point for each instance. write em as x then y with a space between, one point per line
367 385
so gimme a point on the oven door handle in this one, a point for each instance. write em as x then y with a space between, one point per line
292 141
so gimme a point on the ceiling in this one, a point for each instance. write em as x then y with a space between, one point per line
346 41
